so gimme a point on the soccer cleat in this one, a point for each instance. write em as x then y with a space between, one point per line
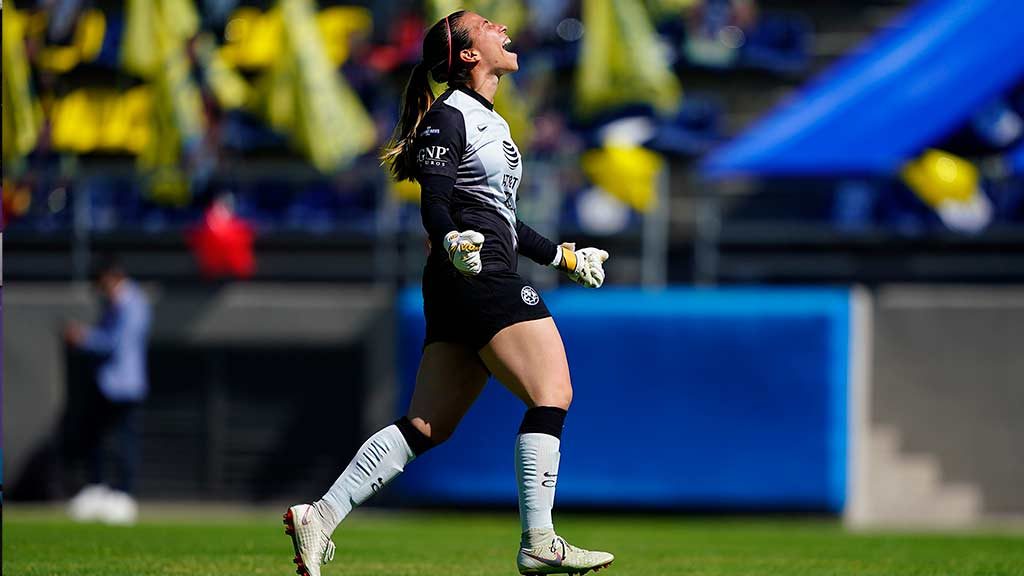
312 545
88 505
560 557
120 509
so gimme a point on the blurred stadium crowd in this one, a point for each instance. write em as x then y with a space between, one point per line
229 85
134 115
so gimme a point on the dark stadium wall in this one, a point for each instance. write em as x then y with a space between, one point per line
239 375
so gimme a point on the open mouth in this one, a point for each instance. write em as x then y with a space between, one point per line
507 45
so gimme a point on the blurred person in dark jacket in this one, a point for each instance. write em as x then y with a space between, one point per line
117 345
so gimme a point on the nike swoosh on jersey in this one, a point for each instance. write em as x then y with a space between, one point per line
481 127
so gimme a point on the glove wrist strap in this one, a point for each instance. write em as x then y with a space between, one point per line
567 263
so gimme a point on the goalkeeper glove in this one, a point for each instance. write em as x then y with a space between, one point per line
584 266
464 250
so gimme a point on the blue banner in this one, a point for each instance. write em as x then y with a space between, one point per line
690 398
900 93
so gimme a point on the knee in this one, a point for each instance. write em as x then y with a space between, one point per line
565 396
557 394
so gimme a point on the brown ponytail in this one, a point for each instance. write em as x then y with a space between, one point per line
440 60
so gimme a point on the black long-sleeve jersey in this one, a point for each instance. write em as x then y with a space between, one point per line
469 170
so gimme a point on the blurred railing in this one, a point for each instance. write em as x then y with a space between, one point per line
353 228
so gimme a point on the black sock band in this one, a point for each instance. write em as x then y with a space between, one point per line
417 440
544 420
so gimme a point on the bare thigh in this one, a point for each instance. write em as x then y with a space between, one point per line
528 358
449 380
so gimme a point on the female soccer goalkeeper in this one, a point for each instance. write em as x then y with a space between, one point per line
481 316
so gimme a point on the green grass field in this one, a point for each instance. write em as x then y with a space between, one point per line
41 542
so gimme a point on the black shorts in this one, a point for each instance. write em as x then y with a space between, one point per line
470 310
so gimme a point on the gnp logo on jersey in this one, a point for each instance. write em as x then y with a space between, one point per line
432 156
511 154
529 295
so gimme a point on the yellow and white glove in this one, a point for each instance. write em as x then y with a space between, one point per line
464 250
584 266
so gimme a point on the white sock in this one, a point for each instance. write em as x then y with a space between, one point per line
537 475
377 462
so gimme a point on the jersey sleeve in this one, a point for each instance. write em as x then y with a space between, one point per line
440 142
534 246
435 206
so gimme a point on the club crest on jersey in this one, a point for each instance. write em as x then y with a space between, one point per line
432 156
529 295
511 154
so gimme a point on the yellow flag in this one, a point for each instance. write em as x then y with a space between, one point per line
85 45
154 48
406 190
21 118
620 61
511 13
252 38
303 95
938 176
671 8
228 86
337 26
509 102
951 186
140 53
437 9
630 173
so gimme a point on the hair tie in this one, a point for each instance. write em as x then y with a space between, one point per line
448 26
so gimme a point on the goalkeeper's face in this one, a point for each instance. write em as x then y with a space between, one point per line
491 44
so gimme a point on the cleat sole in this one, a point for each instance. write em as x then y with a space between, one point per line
289 529
569 573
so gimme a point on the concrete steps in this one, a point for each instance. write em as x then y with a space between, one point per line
907 489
